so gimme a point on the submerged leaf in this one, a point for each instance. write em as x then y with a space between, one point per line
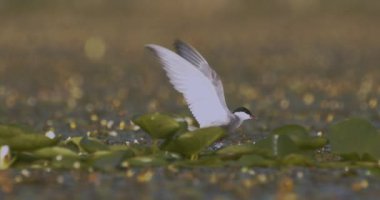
157 125
191 143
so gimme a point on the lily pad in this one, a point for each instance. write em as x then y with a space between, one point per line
107 160
207 161
25 142
311 143
73 143
144 161
235 151
295 132
53 152
256 160
92 145
157 125
297 160
278 145
7 131
191 143
300 136
354 136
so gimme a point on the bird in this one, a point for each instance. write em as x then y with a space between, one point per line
192 76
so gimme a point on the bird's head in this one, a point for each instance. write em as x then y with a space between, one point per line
243 113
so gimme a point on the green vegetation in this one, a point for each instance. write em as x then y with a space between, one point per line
290 145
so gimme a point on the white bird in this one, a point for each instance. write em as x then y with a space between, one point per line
191 75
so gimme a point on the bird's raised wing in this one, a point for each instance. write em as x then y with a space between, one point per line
189 53
198 90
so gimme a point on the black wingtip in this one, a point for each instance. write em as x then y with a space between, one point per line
178 43
150 48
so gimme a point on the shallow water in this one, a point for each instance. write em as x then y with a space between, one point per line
80 67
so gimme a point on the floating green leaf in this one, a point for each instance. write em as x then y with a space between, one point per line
157 125
73 143
20 140
53 152
191 143
300 136
7 131
278 145
25 142
144 161
313 143
235 151
354 136
208 161
256 160
107 160
297 160
295 132
92 145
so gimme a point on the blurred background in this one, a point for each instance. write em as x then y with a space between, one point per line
309 62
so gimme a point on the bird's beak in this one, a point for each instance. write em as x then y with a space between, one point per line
253 117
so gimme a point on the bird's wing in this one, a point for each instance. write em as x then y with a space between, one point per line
198 90
189 53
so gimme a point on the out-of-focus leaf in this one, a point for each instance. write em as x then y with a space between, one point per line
297 160
144 161
157 125
295 132
107 160
19 139
73 143
92 145
191 143
66 163
313 143
25 142
256 160
7 131
207 161
54 152
299 135
354 135
235 151
278 145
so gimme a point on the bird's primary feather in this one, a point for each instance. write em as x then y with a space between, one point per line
189 53
190 74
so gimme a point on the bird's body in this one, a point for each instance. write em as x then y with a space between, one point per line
191 75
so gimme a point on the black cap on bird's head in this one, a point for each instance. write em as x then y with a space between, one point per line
244 110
